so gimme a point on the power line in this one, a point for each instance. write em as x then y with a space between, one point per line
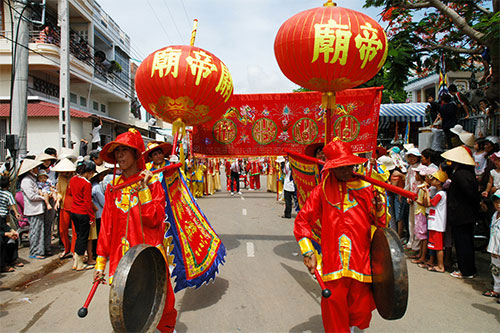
187 16
173 20
161 24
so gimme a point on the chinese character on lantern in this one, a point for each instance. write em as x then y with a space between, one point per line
166 61
331 38
225 85
201 65
369 44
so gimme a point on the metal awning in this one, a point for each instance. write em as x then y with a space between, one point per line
414 112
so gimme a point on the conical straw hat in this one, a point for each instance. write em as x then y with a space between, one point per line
459 155
64 165
67 153
467 138
44 157
27 165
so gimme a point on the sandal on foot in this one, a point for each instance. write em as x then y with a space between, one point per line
37 257
417 261
458 275
424 265
435 269
19 264
8 269
65 255
491 293
85 267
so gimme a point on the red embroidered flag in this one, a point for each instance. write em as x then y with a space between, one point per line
265 124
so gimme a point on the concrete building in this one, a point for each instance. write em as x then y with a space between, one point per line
101 77
420 88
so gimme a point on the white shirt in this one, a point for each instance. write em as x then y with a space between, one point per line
288 184
95 134
494 244
496 178
480 159
235 167
437 213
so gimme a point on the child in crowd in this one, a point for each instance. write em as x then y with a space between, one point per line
494 181
479 157
494 248
45 186
413 157
437 219
420 212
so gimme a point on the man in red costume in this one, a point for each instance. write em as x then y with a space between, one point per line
121 212
341 210
255 170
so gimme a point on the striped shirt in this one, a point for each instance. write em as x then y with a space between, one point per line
6 200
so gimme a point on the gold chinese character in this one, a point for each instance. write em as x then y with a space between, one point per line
367 45
201 65
166 62
331 38
225 84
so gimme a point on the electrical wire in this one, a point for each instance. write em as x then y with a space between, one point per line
173 20
187 16
161 24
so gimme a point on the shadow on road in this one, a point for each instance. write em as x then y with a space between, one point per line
204 296
314 324
488 309
305 281
286 250
230 242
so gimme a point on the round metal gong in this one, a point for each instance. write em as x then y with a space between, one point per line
138 292
389 273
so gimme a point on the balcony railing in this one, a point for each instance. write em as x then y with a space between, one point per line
489 123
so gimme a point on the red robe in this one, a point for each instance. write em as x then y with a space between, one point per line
114 220
112 242
341 214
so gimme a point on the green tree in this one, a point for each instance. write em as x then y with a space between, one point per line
419 31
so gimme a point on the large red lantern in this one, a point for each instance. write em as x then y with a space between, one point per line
330 48
184 84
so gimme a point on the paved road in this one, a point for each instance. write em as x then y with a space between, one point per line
262 287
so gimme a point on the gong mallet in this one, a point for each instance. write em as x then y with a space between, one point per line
82 312
325 292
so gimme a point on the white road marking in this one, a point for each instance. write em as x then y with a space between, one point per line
242 198
243 211
250 250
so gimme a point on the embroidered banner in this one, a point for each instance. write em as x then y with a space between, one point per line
197 249
265 124
306 176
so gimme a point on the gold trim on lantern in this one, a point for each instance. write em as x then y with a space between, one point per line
329 3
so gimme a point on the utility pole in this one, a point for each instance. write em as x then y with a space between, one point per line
64 76
19 116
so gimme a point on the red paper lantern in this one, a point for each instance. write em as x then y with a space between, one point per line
330 48
184 83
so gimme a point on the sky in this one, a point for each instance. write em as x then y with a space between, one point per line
241 33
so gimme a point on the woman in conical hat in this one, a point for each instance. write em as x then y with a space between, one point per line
34 210
463 208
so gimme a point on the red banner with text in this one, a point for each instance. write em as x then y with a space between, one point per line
266 124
